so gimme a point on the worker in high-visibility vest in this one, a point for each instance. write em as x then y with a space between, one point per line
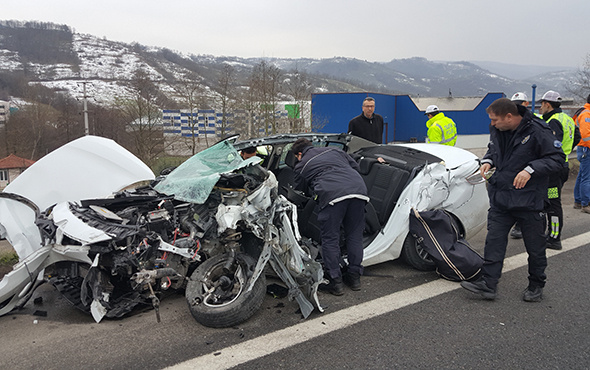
564 129
441 129
582 188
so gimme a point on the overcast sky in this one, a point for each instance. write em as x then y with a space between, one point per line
529 32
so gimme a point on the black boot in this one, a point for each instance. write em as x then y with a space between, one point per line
352 280
480 287
335 287
553 244
532 294
515 233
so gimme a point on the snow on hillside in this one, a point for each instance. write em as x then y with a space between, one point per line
105 59
9 60
104 65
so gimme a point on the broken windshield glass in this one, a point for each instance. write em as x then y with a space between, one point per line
193 180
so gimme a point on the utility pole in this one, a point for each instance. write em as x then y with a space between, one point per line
85 110
533 102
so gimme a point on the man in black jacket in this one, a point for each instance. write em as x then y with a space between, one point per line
523 152
368 125
333 176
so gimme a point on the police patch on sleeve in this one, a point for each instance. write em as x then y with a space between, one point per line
557 144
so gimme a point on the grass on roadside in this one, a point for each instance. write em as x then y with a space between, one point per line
8 258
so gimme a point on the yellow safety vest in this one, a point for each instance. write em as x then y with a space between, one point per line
441 130
569 126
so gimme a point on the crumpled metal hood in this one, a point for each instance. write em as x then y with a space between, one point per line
89 167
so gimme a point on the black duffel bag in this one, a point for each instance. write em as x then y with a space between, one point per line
438 234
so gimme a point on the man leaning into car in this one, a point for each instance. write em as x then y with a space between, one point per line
333 176
524 152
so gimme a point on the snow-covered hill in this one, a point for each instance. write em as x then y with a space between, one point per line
108 67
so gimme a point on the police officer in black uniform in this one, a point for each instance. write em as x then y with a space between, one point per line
523 152
333 176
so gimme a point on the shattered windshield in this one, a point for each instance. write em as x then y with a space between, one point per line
193 180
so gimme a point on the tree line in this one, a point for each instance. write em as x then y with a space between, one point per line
38 42
45 119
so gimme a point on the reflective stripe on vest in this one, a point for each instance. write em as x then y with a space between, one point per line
579 114
444 141
568 126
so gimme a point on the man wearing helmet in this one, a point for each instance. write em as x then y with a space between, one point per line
564 129
441 129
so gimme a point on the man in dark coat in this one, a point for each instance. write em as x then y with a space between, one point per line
523 152
333 176
368 125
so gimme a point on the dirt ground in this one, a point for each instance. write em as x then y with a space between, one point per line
5 248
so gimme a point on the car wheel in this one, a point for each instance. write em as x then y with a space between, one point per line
216 293
414 255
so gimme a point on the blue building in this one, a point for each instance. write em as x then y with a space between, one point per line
404 116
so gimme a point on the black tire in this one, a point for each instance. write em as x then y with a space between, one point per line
414 255
228 304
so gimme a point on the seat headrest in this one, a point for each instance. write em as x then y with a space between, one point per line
365 165
290 159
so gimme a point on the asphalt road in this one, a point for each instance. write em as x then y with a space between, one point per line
402 318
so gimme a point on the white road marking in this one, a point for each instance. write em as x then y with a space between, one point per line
272 342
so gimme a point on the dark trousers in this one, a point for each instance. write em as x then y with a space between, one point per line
532 224
350 214
554 209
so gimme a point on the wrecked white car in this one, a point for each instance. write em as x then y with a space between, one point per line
420 176
215 226
78 220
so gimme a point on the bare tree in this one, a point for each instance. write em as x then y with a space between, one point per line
190 93
143 115
265 83
31 131
227 96
299 88
580 85
69 120
109 122
245 112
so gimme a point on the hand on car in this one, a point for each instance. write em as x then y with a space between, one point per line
484 168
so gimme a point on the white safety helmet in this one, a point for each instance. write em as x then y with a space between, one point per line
552 96
519 96
431 109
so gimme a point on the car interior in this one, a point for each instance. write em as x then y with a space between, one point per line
385 183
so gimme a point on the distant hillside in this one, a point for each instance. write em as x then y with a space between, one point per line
521 72
58 58
38 42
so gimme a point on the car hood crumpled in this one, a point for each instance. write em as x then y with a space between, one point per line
89 167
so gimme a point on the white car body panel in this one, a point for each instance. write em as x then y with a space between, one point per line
97 167
452 156
429 190
70 225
